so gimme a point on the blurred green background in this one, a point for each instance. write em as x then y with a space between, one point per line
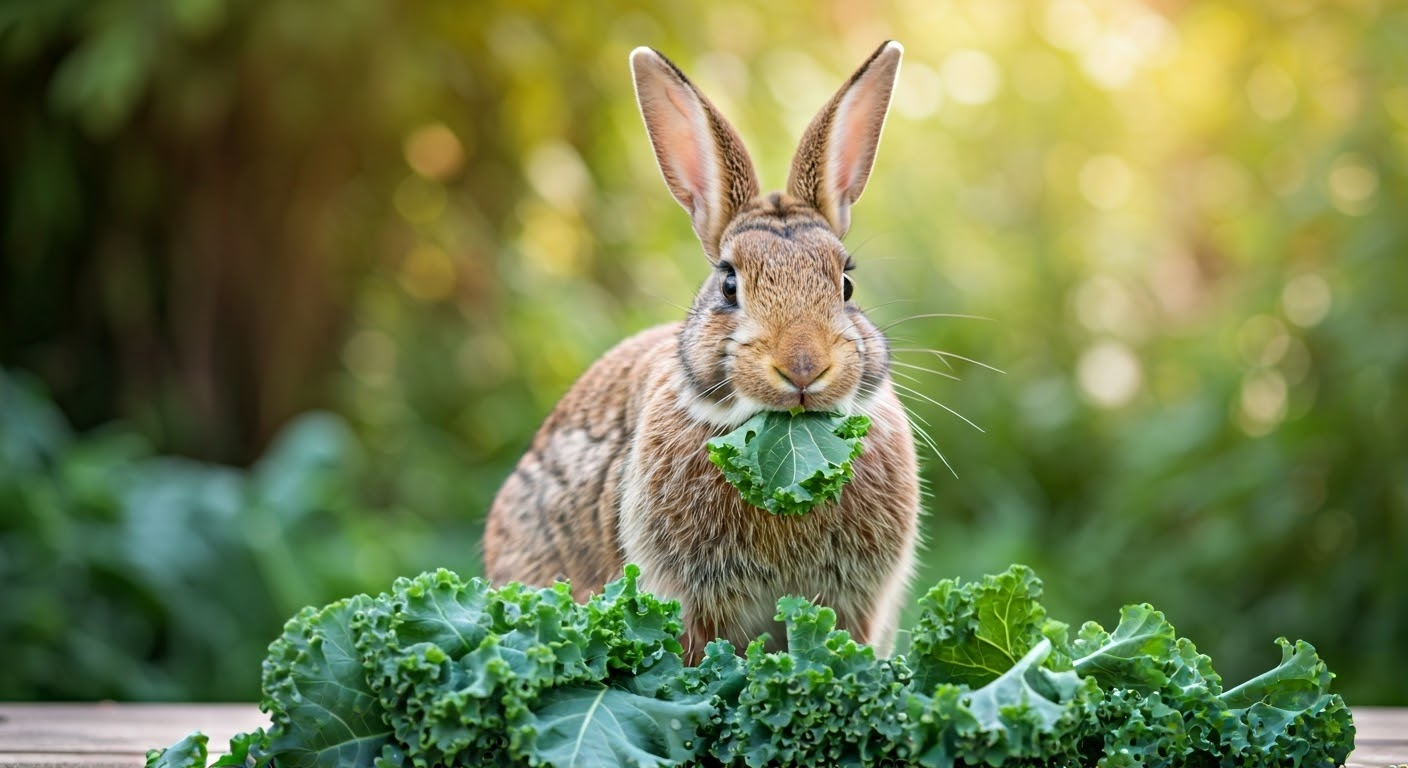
288 285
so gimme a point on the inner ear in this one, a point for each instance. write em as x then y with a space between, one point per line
700 155
837 151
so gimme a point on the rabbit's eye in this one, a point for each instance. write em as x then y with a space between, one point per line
730 285
846 287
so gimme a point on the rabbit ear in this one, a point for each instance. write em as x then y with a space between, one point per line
703 160
837 150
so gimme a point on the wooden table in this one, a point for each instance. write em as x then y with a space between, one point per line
108 735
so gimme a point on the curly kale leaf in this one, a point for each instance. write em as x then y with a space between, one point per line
1136 655
442 671
827 700
1289 711
1027 715
324 710
788 463
971 634
642 720
1146 697
190 752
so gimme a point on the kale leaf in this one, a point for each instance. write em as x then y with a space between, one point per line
788 463
443 671
972 634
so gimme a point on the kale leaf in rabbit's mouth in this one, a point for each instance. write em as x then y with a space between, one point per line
788 463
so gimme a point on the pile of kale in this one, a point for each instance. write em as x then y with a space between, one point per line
442 671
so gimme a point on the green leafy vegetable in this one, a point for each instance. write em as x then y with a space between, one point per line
446 671
974 633
1130 657
787 463
442 671
613 725
189 752
192 752
826 701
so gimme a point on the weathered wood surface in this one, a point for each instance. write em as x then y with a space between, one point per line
107 735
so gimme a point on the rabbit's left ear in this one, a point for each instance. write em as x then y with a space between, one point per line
700 155
837 150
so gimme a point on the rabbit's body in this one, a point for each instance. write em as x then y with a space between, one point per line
619 472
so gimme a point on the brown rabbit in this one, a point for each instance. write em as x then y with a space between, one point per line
619 472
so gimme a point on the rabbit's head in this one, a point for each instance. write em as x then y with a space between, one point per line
774 326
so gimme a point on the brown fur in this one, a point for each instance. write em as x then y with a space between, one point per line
619 471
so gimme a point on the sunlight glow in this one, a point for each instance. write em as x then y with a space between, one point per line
971 76
427 273
1106 181
434 151
1263 402
1306 299
1109 374
1352 181
558 175
370 355
1271 92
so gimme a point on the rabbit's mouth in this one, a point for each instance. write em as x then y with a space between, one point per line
824 391
808 395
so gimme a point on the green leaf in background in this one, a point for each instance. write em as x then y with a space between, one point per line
787 463
34 429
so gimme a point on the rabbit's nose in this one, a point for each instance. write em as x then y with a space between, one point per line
801 371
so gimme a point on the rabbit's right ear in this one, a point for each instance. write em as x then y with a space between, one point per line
701 156
837 150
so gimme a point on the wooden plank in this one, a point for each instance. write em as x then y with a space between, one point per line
62 760
1382 724
1375 756
1381 738
108 735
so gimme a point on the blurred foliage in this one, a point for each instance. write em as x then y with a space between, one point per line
1184 220
125 574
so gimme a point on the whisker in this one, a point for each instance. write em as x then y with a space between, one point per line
941 354
926 370
842 334
886 304
910 416
853 251
687 310
942 359
928 440
933 315
699 396
917 393
908 376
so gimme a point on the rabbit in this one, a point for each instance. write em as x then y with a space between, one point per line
619 473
